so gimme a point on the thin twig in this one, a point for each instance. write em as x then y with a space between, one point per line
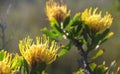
84 54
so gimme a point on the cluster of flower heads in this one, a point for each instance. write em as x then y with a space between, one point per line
34 53
91 17
41 51
45 51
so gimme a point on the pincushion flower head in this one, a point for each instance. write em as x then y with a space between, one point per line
56 10
95 21
5 63
41 51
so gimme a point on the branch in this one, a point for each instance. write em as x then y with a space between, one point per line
84 54
79 46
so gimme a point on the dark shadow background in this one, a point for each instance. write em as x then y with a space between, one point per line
27 17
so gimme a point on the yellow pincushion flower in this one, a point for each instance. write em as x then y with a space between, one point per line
56 11
95 21
5 62
41 51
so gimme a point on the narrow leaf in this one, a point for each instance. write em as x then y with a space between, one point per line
2 54
65 50
56 27
17 62
93 66
40 68
25 67
99 53
101 69
75 21
66 21
49 33
107 37
101 36
77 16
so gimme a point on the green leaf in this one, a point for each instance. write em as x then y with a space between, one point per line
73 26
49 33
106 37
86 28
93 66
2 54
98 38
101 69
77 16
99 53
75 21
17 62
79 30
25 67
66 21
71 32
56 27
79 71
39 68
101 36
54 21
65 50
86 34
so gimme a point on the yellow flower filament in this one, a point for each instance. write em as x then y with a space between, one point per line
5 63
56 10
95 21
42 51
